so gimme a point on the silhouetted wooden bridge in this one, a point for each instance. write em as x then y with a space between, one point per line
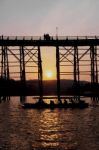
76 57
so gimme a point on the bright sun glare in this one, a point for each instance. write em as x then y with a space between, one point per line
49 74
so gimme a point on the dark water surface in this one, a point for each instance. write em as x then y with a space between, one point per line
59 129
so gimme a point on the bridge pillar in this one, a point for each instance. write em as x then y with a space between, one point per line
94 70
40 74
96 65
76 65
5 70
22 66
4 63
58 72
76 84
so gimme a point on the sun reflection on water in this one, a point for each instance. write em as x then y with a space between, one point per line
49 129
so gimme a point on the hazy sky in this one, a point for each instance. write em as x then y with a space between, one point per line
36 17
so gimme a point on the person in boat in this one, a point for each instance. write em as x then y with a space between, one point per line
71 100
65 101
51 102
60 102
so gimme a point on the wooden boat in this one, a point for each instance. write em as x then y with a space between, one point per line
52 105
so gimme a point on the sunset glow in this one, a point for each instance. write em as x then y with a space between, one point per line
49 74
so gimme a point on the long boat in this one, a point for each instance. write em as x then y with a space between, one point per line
40 105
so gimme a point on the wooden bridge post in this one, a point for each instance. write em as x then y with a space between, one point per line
40 74
58 72
94 71
4 63
76 83
22 66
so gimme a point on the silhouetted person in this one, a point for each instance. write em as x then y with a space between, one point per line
65 101
46 37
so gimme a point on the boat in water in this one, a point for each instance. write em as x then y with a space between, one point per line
41 104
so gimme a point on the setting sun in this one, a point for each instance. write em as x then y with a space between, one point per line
49 74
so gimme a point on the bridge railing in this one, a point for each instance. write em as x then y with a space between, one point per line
48 38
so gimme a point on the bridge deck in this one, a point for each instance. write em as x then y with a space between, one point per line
49 41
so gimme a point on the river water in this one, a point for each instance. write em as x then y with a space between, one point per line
57 129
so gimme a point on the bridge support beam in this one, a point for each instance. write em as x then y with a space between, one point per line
94 70
40 75
4 63
4 69
76 84
22 66
58 72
